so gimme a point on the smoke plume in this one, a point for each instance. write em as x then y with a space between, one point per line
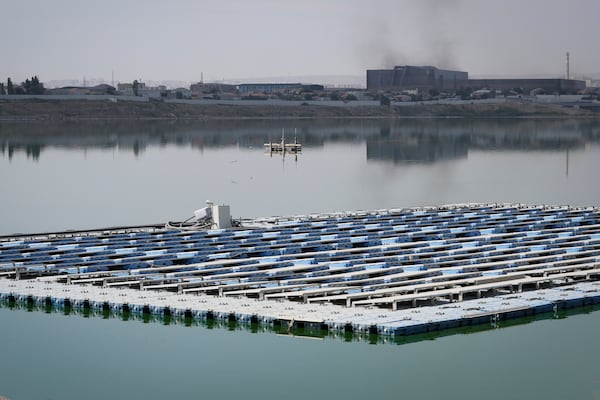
383 36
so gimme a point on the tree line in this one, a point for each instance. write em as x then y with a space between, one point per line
30 86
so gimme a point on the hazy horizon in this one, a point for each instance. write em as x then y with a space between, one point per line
235 40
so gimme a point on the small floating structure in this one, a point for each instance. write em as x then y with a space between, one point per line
283 147
392 272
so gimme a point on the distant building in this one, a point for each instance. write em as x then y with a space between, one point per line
79 90
408 77
102 88
126 89
593 83
277 88
422 79
154 92
568 86
180 93
201 89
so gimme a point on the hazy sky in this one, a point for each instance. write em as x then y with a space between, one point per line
232 39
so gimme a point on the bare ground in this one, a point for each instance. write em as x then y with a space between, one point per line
66 110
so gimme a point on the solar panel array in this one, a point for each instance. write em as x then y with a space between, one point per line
386 258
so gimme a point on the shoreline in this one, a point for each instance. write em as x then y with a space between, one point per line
31 110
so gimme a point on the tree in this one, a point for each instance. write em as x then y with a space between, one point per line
33 86
9 86
38 86
135 87
384 100
464 93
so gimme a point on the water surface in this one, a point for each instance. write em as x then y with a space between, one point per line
89 175
54 356
70 176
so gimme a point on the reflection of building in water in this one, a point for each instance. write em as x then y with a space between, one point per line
422 148
527 142
410 140
431 145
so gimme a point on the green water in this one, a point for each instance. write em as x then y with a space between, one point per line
57 356
77 175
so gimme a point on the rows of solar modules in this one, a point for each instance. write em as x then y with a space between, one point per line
384 258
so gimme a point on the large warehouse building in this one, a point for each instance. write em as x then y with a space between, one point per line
427 78
527 85
410 77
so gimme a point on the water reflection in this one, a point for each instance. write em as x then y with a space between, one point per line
304 332
401 147
147 172
435 142
398 141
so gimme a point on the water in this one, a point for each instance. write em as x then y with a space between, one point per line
96 174
53 356
91 175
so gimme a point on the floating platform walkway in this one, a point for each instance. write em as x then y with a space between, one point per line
283 147
392 272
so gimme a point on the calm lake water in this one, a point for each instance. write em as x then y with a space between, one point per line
85 175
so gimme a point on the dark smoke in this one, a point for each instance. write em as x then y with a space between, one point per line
436 19
377 49
381 36
374 48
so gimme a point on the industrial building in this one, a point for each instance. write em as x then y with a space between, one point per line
277 87
409 77
427 78
567 86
